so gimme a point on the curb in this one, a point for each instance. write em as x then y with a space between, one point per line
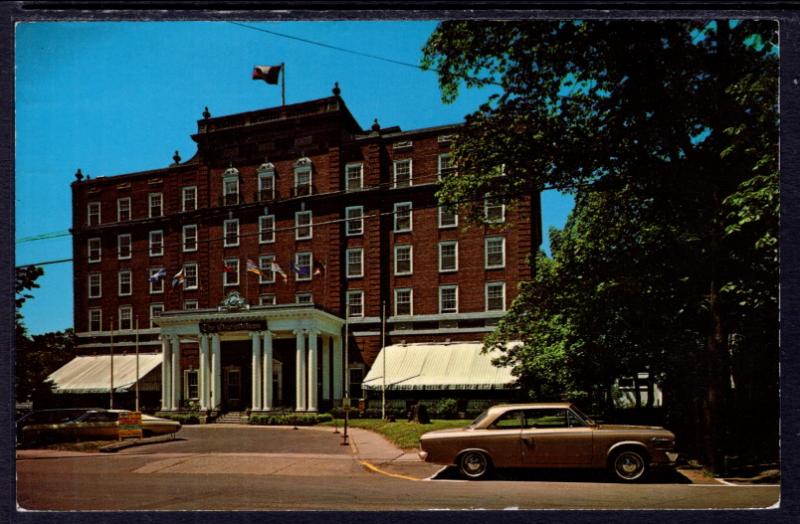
124 444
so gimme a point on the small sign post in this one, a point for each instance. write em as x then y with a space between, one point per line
346 408
130 424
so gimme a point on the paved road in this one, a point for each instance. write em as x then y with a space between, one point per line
257 468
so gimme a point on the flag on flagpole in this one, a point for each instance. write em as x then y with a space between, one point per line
302 271
268 74
155 277
319 267
277 269
228 269
253 268
178 279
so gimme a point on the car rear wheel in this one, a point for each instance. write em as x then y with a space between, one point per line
628 465
474 465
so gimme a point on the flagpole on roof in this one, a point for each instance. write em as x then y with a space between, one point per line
136 344
283 84
111 389
383 347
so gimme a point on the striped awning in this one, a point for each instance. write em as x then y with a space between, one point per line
92 374
437 367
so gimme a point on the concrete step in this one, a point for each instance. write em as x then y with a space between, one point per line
232 417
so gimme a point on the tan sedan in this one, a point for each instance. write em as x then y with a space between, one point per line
555 435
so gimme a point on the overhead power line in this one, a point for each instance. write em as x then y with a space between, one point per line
43 236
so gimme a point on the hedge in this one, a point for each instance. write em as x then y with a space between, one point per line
309 419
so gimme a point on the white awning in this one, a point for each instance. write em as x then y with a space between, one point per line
92 374
437 367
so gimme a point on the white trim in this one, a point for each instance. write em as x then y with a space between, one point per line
150 206
439 331
150 243
302 167
186 372
410 302
486 252
443 244
129 309
359 220
400 161
99 285
225 242
119 209
183 238
159 304
360 294
440 209
486 295
89 214
297 225
89 319
347 167
262 229
89 243
183 198
262 279
439 165
475 315
347 252
120 244
193 302
410 217
308 294
119 282
262 176
262 296
410 259
234 261
442 288
486 206
186 285
297 265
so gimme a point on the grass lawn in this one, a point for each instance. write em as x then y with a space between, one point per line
403 434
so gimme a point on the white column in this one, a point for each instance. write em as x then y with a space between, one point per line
266 362
176 372
166 374
203 378
300 368
216 372
256 386
338 375
326 367
313 359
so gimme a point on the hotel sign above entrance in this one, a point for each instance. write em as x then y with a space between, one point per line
217 326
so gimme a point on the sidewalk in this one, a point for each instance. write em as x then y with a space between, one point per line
374 450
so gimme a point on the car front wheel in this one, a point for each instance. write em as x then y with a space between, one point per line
474 465
629 465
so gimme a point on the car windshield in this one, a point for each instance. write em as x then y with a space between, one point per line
479 419
584 416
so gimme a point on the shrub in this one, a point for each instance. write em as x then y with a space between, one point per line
303 419
446 408
185 419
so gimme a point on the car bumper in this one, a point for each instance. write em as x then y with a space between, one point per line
423 455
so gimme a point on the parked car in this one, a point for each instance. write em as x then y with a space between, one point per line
555 435
45 417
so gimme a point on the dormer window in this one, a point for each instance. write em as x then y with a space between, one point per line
230 186
266 182
302 177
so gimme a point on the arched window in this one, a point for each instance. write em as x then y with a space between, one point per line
266 182
230 186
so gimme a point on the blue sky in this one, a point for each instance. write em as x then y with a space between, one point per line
117 97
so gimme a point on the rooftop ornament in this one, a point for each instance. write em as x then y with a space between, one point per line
233 302
376 126
336 91
78 175
206 114
176 157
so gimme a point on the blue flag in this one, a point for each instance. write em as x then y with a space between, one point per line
155 277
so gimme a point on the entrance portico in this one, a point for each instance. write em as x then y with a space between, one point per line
221 337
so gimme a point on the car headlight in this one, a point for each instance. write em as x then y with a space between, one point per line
662 442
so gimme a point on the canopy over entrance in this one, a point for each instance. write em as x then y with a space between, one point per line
92 374
437 367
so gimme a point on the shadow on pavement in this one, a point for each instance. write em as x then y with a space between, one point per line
662 476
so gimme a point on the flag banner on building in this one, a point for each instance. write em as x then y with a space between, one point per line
268 74
302 271
319 267
178 279
277 269
228 269
158 276
253 268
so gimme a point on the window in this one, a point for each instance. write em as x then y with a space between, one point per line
509 420
356 378
95 285
191 379
190 275
93 213
189 238
354 176
302 224
403 260
493 211
93 246
447 218
230 273
190 304
125 318
156 284
266 229
355 263
266 300
302 266
355 303
230 186
402 217
156 209
448 299
546 418
156 243
266 182
302 177
124 246
403 302
448 256
265 265
95 319
402 173
124 283
155 311
304 298
123 209
446 165
355 221
189 198
495 296
231 228
495 252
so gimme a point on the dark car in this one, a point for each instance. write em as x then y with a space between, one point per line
47 417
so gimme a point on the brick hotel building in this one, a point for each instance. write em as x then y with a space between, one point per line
348 215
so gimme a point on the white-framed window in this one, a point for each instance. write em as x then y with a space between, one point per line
447 218
265 265
354 225
124 283
302 263
230 273
448 299
189 198
266 182
302 177
303 228
403 259
156 205
95 285
495 296
190 304
93 213
124 246
446 164
448 256
495 249
125 318
494 212
123 209
402 217
156 243
95 319
190 275
355 262
189 240
304 298
231 228
354 176
267 299
402 173
403 301
230 186
156 286
155 312
355 303
191 384
95 250
266 229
